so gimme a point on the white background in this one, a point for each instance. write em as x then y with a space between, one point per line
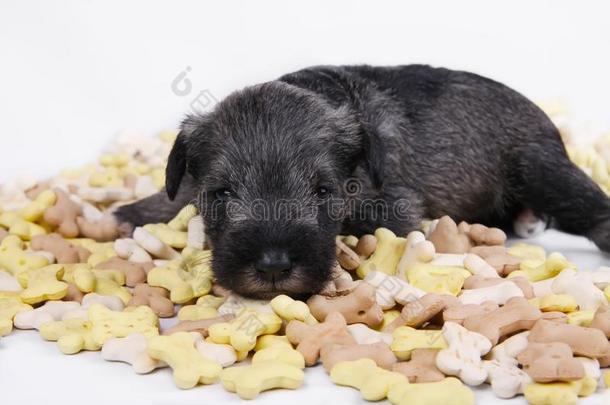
73 73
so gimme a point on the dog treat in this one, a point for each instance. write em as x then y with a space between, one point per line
106 324
289 309
311 338
421 368
197 312
557 302
359 306
195 236
42 284
249 381
534 270
449 391
185 279
156 298
63 214
516 315
477 266
135 273
130 250
461 312
50 311
153 245
365 335
498 258
588 342
102 230
463 356
178 351
380 353
448 237
372 381
351 257
10 306
242 332
499 293
34 210
419 312
276 351
437 279
14 259
72 335
392 289
406 339
477 281
580 286
171 237
64 251
201 326
548 362
506 379
387 254
417 250
564 393
131 349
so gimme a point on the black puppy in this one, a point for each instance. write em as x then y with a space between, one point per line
279 169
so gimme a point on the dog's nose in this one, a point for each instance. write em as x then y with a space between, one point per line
273 264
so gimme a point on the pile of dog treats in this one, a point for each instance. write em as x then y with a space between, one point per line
416 319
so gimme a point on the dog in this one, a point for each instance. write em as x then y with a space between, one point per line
279 169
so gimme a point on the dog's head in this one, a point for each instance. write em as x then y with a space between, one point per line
271 161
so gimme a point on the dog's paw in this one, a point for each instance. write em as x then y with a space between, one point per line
528 225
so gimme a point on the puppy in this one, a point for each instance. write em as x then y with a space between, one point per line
279 169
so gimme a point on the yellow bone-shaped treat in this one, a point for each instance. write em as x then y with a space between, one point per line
181 220
109 324
197 312
186 279
106 178
581 318
10 305
449 391
179 352
407 339
267 341
72 335
18 226
289 309
373 381
14 259
386 256
242 332
557 302
34 211
527 251
42 284
80 274
534 270
564 393
437 279
174 238
280 353
249 381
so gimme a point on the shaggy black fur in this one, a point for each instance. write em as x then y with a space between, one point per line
352 148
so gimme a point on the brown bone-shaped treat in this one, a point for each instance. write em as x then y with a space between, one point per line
516 315
498 258
588 342
311 338
157 298
350 258
478 281
459 313
546 362
104 230
418 312
63 214
359 306
483 235
379 352
446 237
421 368
64 251
135 273
601 320
200 326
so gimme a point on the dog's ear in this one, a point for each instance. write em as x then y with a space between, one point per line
176 165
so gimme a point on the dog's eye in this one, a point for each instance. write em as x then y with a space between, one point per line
322 192
223 194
